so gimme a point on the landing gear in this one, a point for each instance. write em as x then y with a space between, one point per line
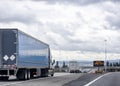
52 74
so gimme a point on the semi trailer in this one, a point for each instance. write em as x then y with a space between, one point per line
23 56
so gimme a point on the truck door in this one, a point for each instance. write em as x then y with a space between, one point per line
8 46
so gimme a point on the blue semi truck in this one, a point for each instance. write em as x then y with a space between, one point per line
23 56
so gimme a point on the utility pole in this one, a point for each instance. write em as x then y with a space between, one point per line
105 55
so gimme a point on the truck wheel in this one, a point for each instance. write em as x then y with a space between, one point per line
47 73
44 72
4 78
22 75
31 75
25 75
28 74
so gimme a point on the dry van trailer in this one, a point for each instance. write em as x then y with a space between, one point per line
23 56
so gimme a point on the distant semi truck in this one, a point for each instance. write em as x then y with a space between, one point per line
23 56
74 67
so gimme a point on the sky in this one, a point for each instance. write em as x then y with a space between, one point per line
74 29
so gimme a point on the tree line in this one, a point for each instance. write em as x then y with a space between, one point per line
113 64
64 65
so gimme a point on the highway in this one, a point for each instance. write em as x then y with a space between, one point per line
109 79
58 80
83 80
67 79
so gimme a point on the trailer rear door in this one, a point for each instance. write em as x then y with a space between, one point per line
8 45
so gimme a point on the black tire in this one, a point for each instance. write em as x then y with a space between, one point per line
31 74
44 72
22 75
25 75
19 75
28 74
4 78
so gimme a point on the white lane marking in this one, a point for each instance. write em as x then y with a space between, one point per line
12 83
61 74
96 79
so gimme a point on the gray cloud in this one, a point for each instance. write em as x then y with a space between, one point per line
61 29
70 44
17 18
12 13
113 16
78 2
114 21
60 38
75 2
92 45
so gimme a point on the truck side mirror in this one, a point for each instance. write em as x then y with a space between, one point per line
53 62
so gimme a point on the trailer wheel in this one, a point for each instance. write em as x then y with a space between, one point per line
22 74
28 74
31 74
44 72
4 78
25 75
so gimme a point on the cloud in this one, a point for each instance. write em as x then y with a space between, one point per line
12 12
112 13
114 22
75 2
68 25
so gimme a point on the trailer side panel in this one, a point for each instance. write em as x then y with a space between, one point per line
32 53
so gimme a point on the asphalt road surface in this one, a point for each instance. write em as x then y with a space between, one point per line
109 79
83 80
58 80
67 79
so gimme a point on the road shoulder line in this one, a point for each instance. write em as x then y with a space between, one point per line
96 79
12 83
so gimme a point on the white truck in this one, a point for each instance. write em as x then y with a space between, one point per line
74 67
